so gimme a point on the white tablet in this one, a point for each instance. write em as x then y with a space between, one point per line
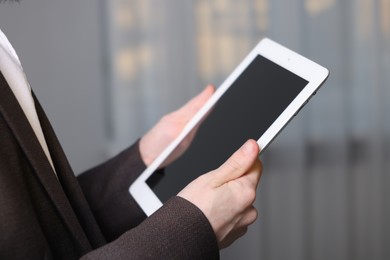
256 101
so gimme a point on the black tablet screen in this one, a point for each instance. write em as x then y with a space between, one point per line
246 110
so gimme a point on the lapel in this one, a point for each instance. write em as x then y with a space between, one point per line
69 183
26 138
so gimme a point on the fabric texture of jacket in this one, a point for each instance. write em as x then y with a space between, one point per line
90 217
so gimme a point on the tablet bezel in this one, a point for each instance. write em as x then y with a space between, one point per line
312 72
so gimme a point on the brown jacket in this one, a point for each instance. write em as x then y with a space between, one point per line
94 217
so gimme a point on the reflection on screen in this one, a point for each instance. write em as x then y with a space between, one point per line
246 110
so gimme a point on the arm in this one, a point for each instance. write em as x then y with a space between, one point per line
212 211
216 208
226 194
178 230
106 186
106 190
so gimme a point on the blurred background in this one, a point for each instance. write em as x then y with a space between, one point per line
106 71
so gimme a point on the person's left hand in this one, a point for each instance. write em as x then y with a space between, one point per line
169 127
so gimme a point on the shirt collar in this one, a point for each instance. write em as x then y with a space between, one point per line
4 42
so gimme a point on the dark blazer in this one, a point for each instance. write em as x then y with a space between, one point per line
93 217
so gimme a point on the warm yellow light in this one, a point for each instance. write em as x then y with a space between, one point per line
315 7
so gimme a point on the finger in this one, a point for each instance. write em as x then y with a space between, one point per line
248 217
252 177
238 164
193 106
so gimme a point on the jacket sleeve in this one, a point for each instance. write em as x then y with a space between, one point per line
178 230
106 190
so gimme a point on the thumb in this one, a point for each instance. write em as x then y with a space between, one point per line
239 163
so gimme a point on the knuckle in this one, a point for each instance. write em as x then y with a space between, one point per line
234 164
245 193
249 196
253 214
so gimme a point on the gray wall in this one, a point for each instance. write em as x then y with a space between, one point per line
324 193
58 43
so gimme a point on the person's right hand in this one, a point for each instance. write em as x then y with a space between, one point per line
226 195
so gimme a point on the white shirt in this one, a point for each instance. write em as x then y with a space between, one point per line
13 73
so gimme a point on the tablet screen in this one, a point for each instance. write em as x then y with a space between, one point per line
246 110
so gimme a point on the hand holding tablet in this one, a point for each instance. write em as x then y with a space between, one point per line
226 194
256 102
169 127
